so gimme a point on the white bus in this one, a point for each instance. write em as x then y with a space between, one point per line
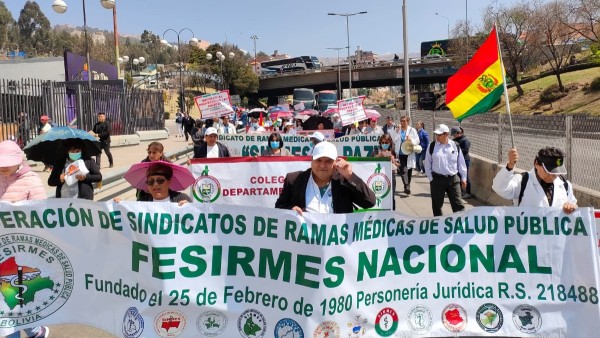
296 64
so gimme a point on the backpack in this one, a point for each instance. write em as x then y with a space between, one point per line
526 178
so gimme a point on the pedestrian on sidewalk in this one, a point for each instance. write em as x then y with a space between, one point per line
188 123
543 186
102 130
179 122
459 137
19 183
405 133
446 170
424 142
44 126
198 134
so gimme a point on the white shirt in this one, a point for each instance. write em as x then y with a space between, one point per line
212 151
445 160
227 129
314 202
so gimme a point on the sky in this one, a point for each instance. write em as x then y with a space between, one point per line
291 27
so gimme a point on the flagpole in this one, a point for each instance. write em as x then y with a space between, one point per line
512 137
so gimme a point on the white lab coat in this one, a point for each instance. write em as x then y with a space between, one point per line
230 129
508 185
411 162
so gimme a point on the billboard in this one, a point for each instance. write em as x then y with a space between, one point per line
436 47
75 69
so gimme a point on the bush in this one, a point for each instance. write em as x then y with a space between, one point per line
167 115
551 94
595 85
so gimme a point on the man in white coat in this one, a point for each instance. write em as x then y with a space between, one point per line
407 161
542 186
226 127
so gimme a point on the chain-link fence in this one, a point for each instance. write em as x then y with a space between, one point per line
577 135
68 103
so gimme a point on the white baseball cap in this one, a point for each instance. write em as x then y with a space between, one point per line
324 149
441 129
210 131
318 135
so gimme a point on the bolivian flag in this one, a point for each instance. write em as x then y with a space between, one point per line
478 85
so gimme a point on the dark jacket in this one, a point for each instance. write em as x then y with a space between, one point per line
201 150
188 123
103 131
345 193
465 145
86 190
198 136
174 196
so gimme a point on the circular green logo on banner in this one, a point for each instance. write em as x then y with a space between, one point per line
386 322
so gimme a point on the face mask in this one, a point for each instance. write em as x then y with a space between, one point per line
255 125
274 144
385 146
75 156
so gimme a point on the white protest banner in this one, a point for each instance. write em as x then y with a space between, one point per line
254 144
258 181
214 104
351 110
158 269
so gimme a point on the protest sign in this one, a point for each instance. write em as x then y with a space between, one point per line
258 181
253 144
214 104
351 110
161 270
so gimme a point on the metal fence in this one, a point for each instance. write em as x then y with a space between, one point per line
577 135
68 103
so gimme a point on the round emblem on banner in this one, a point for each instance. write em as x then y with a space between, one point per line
206 189
357 327
527 318
327 329
211 323
489 317
170 323
252 324
288 328
454 317
133 323
386 322
420 319
380 184
36 279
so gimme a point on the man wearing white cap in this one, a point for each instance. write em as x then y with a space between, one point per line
446 170
542 186
211 148
328 186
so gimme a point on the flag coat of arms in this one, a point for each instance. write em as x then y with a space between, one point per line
478 85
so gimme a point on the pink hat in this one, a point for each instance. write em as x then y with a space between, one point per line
10 154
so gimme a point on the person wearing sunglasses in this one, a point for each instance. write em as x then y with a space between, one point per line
543 186
158 181
156 152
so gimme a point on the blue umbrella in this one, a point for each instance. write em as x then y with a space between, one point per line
49 146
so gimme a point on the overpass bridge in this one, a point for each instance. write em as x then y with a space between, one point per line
385 73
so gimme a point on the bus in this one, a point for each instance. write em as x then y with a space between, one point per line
305 96
326 98
296 64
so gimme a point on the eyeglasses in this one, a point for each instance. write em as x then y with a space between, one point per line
160 181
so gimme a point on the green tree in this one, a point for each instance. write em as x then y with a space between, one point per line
7 23
34 30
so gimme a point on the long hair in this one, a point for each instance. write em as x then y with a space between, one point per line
387 138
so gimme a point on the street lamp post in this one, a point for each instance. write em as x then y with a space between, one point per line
132 62
256 69
111 4
406 62
448 23
165 42
339 84
220 58
347 15
60 7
